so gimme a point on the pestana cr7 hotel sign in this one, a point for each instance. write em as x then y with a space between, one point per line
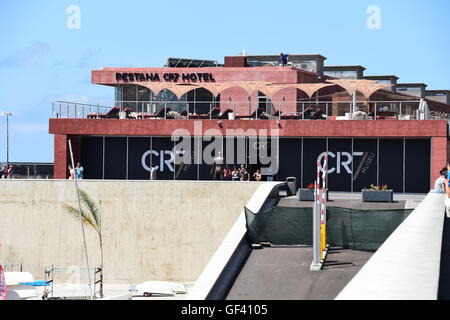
167 77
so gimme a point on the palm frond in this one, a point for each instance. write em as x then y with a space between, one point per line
75 213
92 208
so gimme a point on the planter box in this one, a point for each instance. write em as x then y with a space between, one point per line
306 195
377 195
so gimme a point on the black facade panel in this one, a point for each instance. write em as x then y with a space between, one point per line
417 165
391 164
209 150
115 158
91 157
364 163
185 167
339 164
137 147
361 161
163 157
312 148
290 160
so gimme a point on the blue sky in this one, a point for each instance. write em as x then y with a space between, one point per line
41 60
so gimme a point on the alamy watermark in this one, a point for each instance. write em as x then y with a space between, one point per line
374 19
74 19
218 147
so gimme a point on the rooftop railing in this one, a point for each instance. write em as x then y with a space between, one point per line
306 110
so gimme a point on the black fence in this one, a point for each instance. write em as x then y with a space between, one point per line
31 170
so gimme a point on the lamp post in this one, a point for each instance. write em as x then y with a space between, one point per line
7 114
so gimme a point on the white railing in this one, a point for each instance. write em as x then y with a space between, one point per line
331 110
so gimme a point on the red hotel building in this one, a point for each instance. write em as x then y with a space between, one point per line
381 140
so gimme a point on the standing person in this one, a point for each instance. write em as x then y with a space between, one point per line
257 175
217 167
153 170
4 172
79 171
440 181
3 287
284 59
71 173
447 198
235 176
245 176
448 174
10 172
269 176
227 173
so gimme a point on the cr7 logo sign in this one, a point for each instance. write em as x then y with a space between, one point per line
343 161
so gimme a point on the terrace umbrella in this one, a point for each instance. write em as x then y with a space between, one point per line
351 86
311 88
368 88
308 88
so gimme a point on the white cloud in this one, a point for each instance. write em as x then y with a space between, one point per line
27 57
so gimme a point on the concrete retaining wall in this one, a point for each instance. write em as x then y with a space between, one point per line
153 230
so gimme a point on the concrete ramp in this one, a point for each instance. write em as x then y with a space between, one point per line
407 265
282 273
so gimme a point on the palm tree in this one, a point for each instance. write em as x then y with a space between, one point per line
90 214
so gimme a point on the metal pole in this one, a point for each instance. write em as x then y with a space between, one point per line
7 139
354 103
81 221
323 215
316 232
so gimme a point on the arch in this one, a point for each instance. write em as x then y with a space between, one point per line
249 86
365 87
216 88
180 89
